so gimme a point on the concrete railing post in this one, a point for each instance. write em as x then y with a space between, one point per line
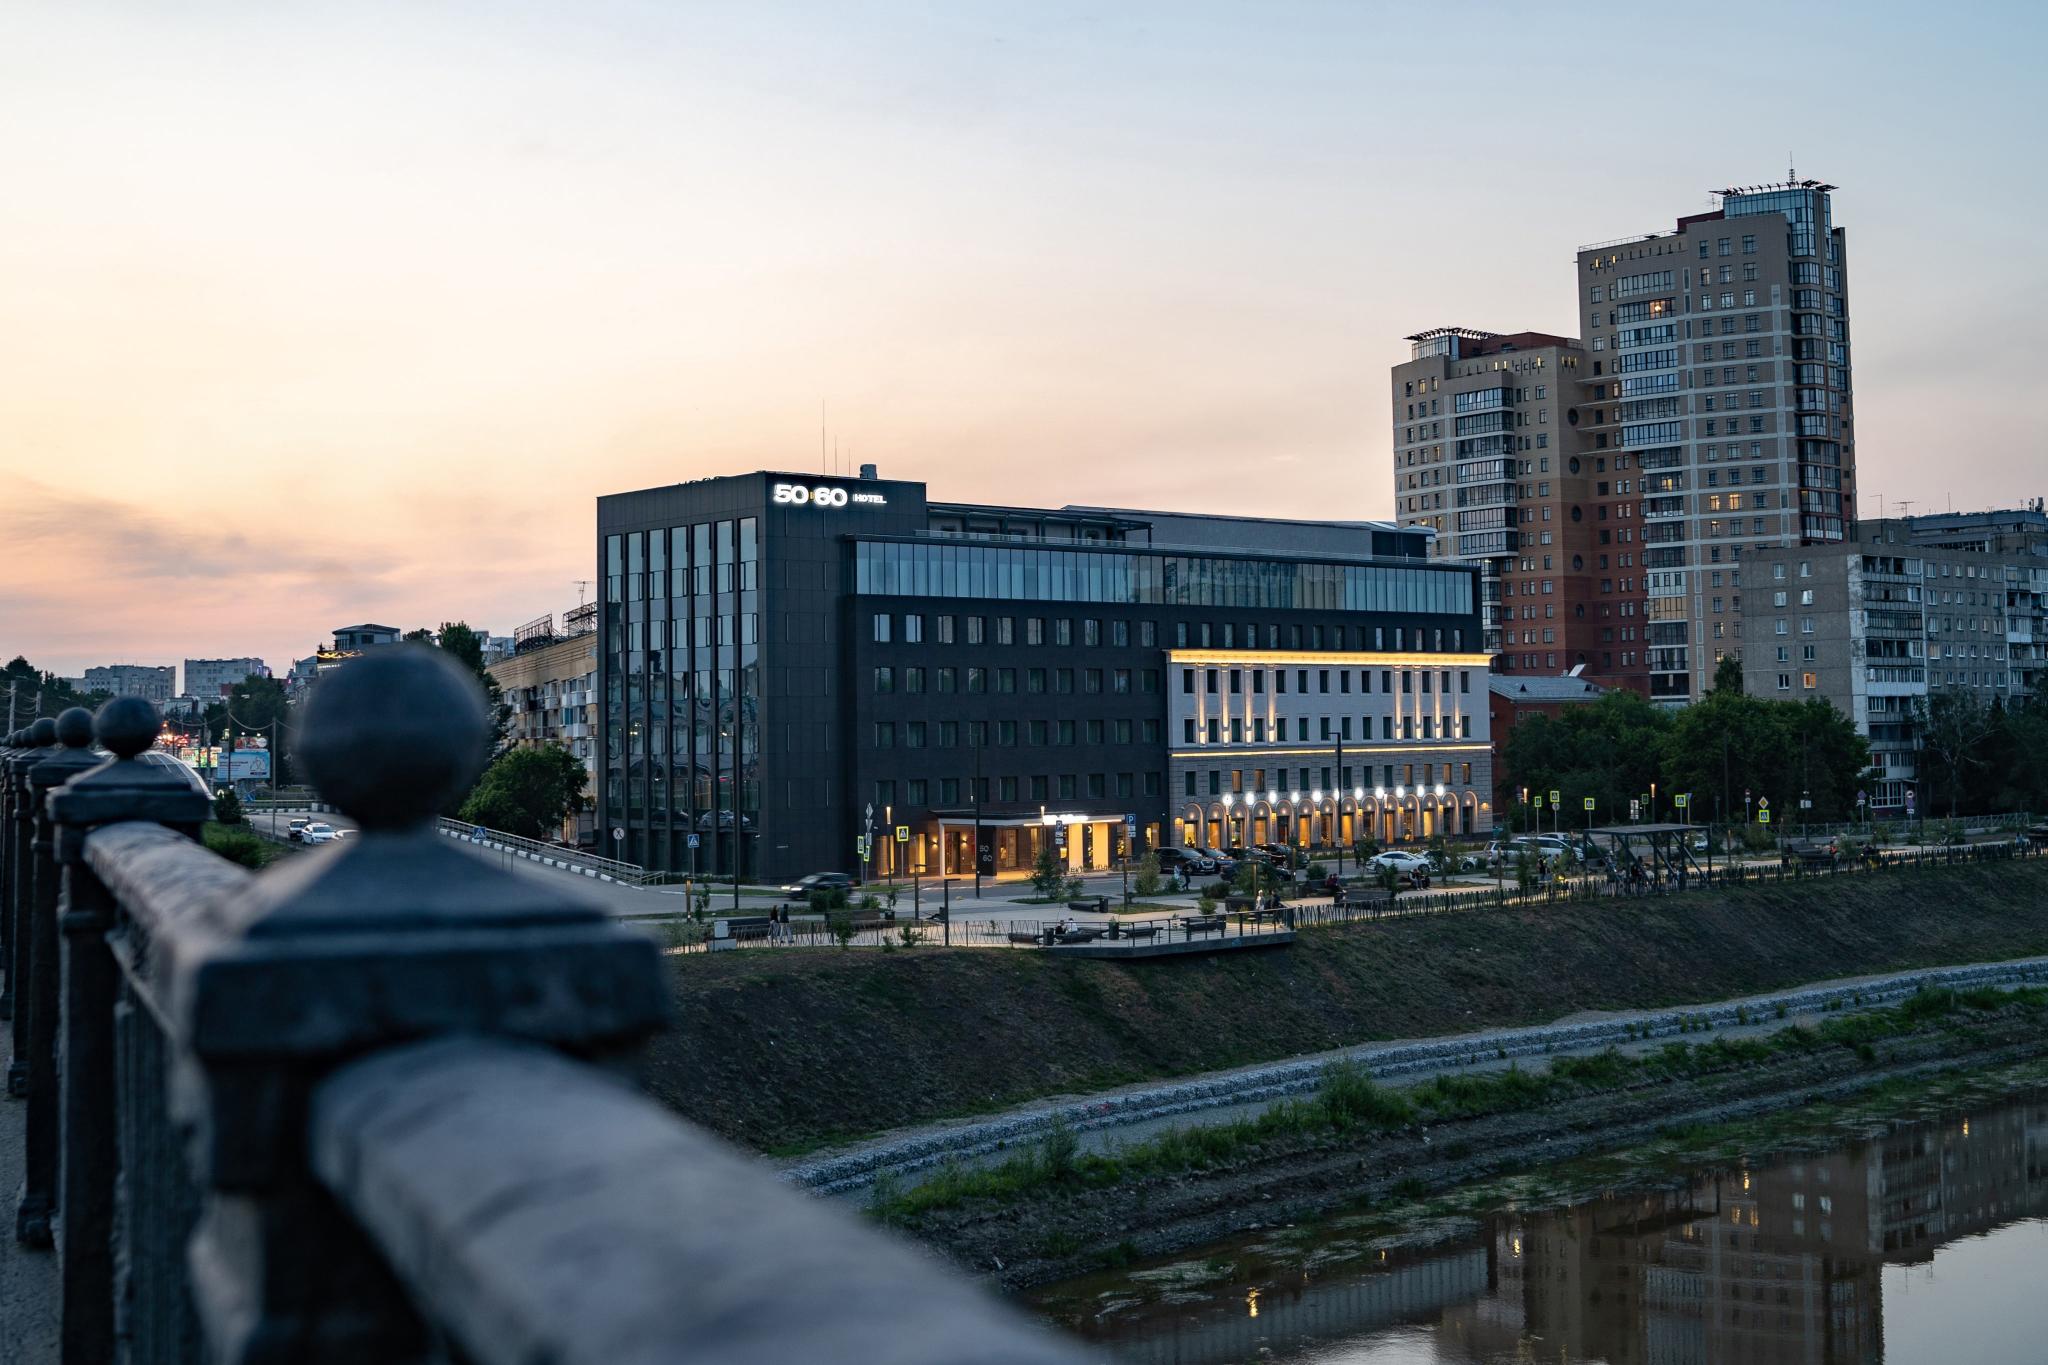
23 754
35 921
388 938
14 742
90 793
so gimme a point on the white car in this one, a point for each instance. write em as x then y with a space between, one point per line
319 833
1412 866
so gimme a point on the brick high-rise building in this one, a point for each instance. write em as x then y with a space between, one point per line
1489 455
1718 374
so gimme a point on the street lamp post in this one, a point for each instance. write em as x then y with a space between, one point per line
977 808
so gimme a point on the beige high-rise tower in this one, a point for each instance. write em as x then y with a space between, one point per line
1717 357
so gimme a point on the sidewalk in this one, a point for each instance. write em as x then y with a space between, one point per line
28 1279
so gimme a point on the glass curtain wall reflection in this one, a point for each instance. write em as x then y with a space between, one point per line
682 689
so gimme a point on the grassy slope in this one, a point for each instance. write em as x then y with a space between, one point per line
784 1050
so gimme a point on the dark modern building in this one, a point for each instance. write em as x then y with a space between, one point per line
792 664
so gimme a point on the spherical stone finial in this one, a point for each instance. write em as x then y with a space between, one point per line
127 726
392 737
74 728
43 732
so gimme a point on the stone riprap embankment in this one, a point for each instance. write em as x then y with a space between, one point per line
906 1153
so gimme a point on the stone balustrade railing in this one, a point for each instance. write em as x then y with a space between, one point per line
375 1103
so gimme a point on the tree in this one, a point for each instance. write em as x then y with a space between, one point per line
528 792
252 706
1954 728
1049 872
457 638
1607 750
1728 744
1728 674
38 694
1146 882
227 807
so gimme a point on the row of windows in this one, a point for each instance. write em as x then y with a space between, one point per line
954 791
1256 731
899 569
1116 681
1236 680
1007 734
1293 781
1003 630
1314 637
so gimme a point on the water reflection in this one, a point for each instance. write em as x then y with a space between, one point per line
1785 1263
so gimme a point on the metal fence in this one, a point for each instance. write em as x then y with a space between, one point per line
367 1106
547 854
1364 901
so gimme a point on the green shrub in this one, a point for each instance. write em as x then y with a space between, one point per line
1349 1099
227 807
238 845
1146 882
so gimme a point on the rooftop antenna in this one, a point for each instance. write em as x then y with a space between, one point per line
1905 505
582 590
1791 170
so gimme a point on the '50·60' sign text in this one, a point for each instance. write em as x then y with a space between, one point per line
822 495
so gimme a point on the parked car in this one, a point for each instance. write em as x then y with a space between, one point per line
802 887
1187 860
1411 866
1226 866
296 827
1280 853
318 832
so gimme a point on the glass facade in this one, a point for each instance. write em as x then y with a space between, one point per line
911 568
682 695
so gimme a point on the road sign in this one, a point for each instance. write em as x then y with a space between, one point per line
618 835
692 842
1909 803
1587 802
1862 798
1763 803
1555 799
1131 823
1682 800
1059 835
860 845
1763 817
1539 800
902 834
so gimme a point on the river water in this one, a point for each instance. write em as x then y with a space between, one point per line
1928 1246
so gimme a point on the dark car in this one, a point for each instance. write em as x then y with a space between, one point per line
1280 853
1172 859
802 887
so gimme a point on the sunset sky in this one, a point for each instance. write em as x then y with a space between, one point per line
312 315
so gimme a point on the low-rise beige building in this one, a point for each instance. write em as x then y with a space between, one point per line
551 686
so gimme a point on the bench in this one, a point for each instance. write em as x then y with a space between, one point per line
1269 915
1197 924
1090 905
755 926
1024 936
1144 929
